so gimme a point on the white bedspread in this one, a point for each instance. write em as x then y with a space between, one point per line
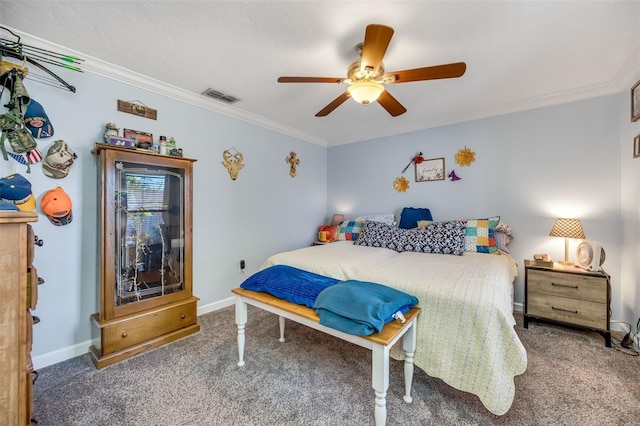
465 330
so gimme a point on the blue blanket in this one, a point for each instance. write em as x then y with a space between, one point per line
289 283
361 308
354 307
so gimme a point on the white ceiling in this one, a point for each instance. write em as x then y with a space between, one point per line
519 54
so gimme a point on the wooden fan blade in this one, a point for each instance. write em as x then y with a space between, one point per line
376 41
453 70
333 105
310 80
390 103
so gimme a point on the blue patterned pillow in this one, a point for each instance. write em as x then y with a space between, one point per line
378 234
349 230
438 237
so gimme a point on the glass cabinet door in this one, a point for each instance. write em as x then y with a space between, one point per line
149 237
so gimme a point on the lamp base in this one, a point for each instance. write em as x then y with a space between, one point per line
565 263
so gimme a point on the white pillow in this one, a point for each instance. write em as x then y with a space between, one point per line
388 218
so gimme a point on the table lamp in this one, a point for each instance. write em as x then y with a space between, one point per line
567 228
337 219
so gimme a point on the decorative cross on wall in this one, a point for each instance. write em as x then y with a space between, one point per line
293 162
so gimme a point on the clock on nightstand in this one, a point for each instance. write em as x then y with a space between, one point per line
568 295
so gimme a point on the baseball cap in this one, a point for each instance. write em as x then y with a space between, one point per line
16 189
56 204
37 121
6 206
58 161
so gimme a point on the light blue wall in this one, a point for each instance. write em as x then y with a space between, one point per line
263 212
531 167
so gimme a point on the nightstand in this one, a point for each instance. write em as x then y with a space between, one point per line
567 295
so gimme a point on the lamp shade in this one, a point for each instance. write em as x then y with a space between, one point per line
567 228
365 91
337 219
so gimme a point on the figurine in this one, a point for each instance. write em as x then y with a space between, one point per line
111 132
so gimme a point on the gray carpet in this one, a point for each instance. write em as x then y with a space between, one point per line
315 379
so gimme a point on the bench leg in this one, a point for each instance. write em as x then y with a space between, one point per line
409 346
281 321
241 320
380 381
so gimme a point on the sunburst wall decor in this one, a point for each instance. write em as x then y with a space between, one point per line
401 184
465 157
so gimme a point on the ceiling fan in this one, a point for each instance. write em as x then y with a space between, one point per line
366 77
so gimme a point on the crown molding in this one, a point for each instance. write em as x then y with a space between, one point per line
495 110
629 73
132 78
626 76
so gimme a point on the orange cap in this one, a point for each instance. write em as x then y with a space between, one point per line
56 204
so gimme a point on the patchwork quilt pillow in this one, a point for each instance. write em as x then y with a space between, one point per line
480 235
378 234
349 230
438 237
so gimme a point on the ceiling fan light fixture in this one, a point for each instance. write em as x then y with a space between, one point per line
365 91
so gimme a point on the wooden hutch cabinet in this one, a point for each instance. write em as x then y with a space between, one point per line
18 295
145 252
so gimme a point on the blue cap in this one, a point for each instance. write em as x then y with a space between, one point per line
37 121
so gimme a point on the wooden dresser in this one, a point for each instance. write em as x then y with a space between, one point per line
568 295
18 294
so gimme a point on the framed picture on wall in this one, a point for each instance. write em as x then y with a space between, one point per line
636 146
635 102
431 169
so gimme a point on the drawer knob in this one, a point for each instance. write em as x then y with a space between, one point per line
124 334
182 316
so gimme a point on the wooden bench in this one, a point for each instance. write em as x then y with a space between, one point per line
379 343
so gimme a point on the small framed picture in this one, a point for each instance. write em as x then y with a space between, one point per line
141 139
429 170
635 102
636 146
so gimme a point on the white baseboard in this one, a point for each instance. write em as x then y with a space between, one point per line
216 305
64 354
82 348
60 355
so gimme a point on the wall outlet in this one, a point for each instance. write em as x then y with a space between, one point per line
242 265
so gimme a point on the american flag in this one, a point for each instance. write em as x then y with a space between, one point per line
31 157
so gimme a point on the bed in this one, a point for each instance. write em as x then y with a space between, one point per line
465 333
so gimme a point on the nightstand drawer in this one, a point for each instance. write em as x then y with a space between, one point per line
581 287
572 311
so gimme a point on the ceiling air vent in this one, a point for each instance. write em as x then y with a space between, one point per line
219 96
